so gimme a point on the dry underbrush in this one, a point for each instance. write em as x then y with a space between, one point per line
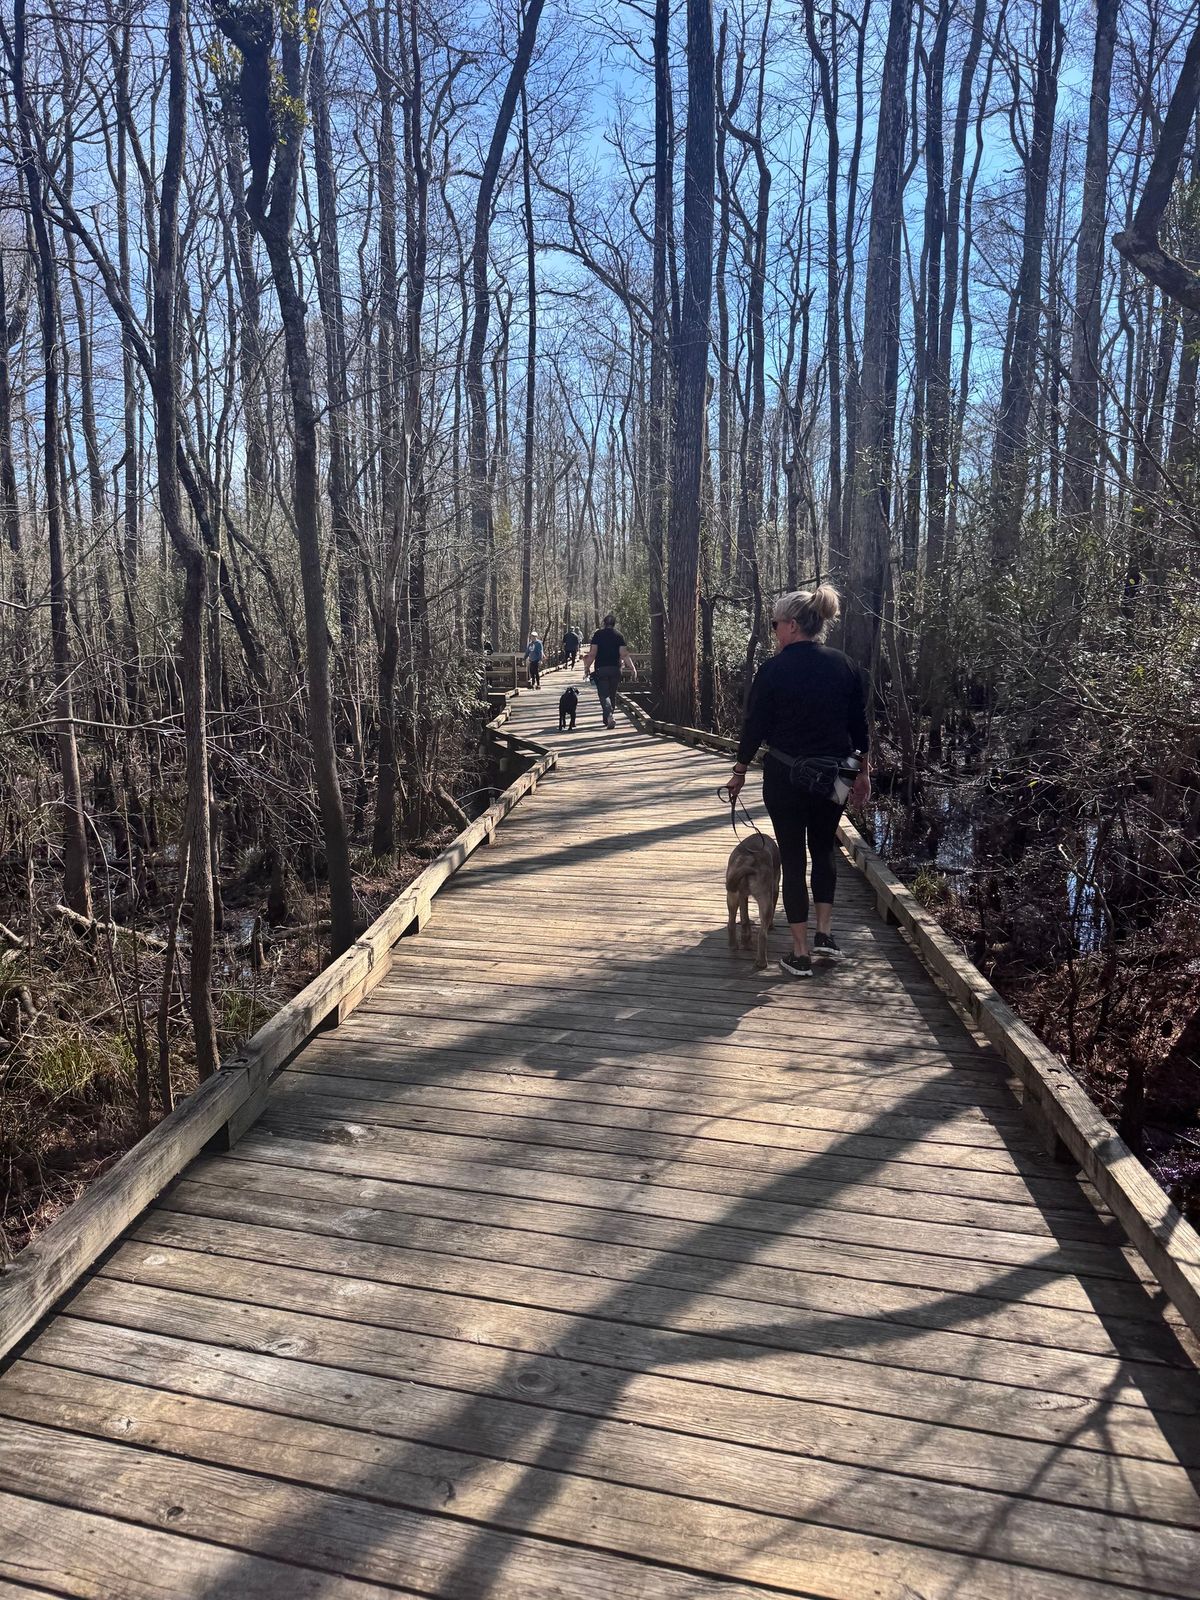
1117 1014
69 1100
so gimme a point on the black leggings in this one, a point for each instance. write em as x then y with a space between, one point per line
801 819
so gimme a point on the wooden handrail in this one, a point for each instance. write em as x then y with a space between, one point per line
229 1102
1057 1102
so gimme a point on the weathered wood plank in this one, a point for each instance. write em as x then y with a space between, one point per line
710 1335
597 1151
722 1010
700 1235
643 1027
873 1139
94 1557
659 1522
710 1095
839 1159
821 1224
882 1078
714 1387
685 1267
724 1448
971 1070
341 1535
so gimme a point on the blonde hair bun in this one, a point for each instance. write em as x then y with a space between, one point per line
812 610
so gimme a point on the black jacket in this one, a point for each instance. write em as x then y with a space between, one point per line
806 701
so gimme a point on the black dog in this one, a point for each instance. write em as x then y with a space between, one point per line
568 705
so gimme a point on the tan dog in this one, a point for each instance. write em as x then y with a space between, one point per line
753 870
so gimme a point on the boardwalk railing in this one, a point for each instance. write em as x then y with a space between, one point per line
229 1102
510 672
1056 1102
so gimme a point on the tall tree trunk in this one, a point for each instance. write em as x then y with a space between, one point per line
938 447
274 124
131 532
750 506
482 532
1082 447
393 468
833 337
197 826
76 877
530 376
333 321
658 421
1010 464
10 508
691 368
866 573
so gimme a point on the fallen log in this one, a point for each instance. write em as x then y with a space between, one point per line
97 925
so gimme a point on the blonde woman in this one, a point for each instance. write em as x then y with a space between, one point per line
808 705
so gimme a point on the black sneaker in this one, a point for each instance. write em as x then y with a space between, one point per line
796 966
826 946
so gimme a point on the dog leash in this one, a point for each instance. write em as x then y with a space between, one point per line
733 801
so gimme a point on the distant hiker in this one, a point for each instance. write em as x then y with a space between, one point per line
533 655
608 655
570 647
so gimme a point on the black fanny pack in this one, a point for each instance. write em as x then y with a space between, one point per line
826 777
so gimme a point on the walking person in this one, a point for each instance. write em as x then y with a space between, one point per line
607 655
533 655
807 704
570 647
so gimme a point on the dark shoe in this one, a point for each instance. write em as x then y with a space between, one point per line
826 947
796 966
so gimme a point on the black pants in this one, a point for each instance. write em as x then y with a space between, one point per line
570 657
535 674
607 685
805 826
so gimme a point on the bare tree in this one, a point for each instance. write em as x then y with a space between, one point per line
481 483
274 127
1010 463
1079 476
76 872
875 443
690 369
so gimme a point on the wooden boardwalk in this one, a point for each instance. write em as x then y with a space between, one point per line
584 1261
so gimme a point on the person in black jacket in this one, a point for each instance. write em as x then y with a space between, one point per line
608 655
807 703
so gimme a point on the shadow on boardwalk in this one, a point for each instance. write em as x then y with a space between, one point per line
553 1440
915 1428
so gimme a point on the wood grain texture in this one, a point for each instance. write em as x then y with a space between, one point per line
581 1259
